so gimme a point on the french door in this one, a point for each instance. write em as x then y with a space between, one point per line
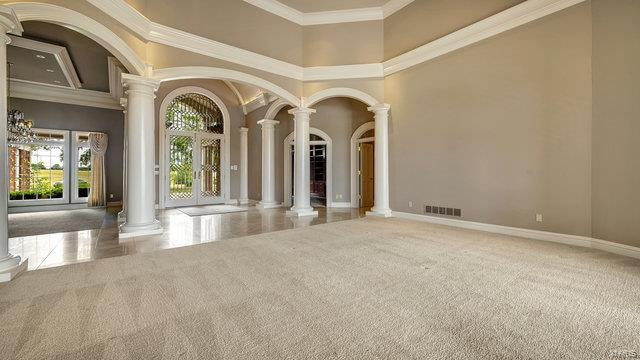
194 168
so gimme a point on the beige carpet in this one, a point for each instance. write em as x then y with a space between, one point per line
51 222
360 289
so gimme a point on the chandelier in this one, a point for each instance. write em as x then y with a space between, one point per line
18 129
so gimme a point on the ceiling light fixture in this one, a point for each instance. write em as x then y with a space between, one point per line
50 70
41 56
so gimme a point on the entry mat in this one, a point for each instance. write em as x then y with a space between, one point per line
211 210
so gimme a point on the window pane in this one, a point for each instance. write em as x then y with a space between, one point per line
36 171
194 112
83 166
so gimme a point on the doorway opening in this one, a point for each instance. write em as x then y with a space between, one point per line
194 134
320 148
366 171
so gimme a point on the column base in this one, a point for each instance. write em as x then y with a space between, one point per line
304 212
383 213
272 205
10 267
130 230
244 201
122 215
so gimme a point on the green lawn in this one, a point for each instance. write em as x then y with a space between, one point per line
55 176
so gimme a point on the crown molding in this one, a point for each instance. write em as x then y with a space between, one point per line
59 94
329 17
518 15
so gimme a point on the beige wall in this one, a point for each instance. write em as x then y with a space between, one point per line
426 20
234 23
616 121
500 129
338 117
343 44
235 111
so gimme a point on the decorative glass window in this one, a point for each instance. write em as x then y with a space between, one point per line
194 112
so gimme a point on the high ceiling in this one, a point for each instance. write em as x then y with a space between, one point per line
88 58
307 6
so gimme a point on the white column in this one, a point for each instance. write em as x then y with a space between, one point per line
10 265
268 164
381 191
141 149
244 166
122 215
302 187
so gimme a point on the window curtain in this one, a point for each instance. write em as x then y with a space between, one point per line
98 193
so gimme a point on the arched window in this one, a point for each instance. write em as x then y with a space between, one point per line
194 112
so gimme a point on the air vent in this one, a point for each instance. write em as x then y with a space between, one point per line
443 211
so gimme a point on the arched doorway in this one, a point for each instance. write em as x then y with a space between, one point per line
321 172
363 166
194 139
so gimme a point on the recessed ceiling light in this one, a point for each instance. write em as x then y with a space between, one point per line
49 70
41 56
57 82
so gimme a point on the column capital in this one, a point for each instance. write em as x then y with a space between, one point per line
244 129
380 108
266 123
302 110
140 83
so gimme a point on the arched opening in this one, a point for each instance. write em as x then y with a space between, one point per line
194 148
363 166
321 168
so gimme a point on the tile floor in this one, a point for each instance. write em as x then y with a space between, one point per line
64 248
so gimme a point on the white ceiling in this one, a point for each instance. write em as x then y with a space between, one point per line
307 6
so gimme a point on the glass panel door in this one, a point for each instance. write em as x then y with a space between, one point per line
210 169
181 178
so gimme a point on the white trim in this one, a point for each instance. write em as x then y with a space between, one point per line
42 208
340 92
235 91
288 141
275 108
41 92
359 71
59 53
205 72
518 15
393 6
86 26
354 159
256 103
329 17
574 240
114 67
226 164
341 205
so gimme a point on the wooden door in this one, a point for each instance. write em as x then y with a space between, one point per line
366 174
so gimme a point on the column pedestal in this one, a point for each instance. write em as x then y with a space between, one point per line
268 165
381 190
302 187
141 182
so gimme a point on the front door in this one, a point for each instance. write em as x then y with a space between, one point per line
194 175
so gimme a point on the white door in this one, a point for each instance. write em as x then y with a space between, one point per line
194 164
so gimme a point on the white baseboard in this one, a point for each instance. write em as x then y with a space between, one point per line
41 208
574 240
340 205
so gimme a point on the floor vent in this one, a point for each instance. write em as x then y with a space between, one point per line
444 211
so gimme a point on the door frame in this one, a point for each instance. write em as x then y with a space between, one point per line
288 141
162 159
355 141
